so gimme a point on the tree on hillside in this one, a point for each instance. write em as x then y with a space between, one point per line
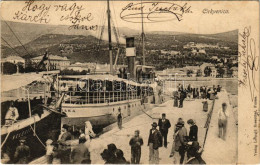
207 71
221 71
199 73
189 72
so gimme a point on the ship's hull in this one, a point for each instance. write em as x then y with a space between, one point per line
100 115
47 127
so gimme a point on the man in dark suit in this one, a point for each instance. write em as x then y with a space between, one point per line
22 152
154 142
164 124
63 144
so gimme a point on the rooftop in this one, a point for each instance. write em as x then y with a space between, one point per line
52 57
12 58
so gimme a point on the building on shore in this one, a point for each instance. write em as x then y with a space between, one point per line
14 59
80 67
54 62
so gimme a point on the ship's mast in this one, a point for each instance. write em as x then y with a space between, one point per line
142 35
109 38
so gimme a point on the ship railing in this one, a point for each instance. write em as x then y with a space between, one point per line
97 97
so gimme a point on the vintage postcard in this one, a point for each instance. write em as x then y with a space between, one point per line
130 82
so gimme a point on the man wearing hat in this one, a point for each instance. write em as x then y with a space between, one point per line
65 135
164 124
193 154
180 139
22 152
154 142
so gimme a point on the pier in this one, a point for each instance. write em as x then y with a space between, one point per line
192 110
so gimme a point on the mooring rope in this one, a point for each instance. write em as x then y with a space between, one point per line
5 139
208 123
37 137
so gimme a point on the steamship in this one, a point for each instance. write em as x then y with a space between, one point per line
99 97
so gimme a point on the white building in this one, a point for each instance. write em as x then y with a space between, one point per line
54 62
14 60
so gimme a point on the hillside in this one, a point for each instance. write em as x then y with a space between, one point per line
27 32
37 38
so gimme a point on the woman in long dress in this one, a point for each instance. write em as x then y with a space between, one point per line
175 97
89 133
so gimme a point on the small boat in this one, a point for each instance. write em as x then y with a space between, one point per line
36 128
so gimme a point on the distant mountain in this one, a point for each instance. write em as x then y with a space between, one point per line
37 38
27 32
230 36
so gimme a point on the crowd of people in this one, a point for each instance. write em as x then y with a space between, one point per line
62 151
185 145
204 92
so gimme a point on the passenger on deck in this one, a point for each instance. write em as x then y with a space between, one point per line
11 115
64 88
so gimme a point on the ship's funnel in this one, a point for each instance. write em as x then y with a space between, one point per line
130 54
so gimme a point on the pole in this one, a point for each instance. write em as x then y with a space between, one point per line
29 104
109 38
142 35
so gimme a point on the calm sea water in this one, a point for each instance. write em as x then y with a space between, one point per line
35 90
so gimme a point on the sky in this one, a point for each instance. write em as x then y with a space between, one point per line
198 18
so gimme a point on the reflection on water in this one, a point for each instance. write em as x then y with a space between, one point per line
231 85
